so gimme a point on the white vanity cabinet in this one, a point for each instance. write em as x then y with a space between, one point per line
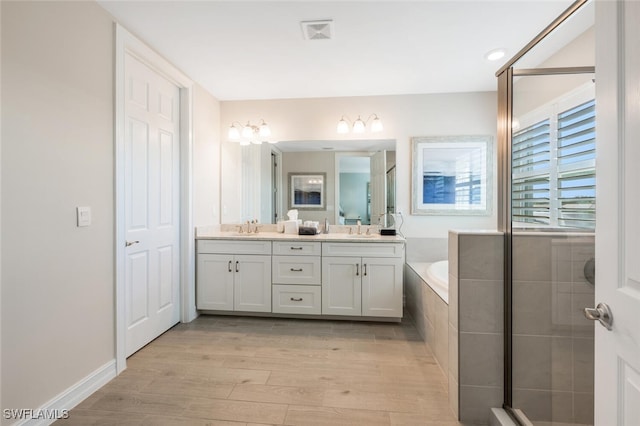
233 275
319 276
296 277
361 279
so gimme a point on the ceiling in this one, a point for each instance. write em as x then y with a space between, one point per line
240 50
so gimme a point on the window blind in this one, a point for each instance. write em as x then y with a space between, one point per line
553 170
530 167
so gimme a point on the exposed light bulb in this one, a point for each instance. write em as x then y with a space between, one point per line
343 126
247 131
234 134
358 126
264 130
376 124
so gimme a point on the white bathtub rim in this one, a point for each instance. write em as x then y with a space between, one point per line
435 284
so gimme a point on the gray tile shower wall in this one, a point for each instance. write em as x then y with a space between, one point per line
475 324
553 348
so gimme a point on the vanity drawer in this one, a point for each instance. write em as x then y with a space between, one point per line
234 247
296 299
363 249
305 270
295 248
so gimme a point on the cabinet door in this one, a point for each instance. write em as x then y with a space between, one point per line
214 282
382 287
341 286
252 283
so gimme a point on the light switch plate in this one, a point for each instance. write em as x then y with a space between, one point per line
84 216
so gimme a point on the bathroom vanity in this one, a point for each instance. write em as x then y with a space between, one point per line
319 276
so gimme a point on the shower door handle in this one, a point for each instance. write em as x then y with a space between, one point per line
601 313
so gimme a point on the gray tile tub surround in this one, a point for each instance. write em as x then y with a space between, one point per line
430 315
476 339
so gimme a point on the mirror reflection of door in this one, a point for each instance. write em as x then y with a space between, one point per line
378 186
362 186
354 176
274 187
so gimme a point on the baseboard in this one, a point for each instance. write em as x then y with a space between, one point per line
72 396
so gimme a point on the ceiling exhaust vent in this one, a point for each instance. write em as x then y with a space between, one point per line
317 30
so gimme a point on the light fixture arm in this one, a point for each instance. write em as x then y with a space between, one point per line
359 125
245 133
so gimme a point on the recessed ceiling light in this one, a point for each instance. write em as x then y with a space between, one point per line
495 54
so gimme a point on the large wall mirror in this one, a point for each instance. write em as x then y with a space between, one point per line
358 180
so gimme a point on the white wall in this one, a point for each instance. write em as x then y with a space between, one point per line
533 92
404 116
57 142
58 283
206 158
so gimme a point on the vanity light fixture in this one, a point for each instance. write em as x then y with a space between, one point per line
359 126
249 133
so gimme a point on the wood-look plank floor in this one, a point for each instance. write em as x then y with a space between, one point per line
244 371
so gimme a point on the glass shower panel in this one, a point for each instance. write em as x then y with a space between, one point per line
553 219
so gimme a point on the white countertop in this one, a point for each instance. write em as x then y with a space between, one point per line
335 237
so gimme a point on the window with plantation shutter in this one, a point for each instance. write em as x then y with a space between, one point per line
577 166
531 164
553 168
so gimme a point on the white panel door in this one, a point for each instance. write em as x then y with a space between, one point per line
382 287
617 352
378 185
151 204
341 286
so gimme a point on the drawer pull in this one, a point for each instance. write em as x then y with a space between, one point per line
296 270
296 299
230 266
357 269
365 269
237 267
296 248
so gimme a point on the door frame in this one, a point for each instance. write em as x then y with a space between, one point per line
126 43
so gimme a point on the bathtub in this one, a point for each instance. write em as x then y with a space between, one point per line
436 275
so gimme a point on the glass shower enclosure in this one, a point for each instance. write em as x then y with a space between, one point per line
547 133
